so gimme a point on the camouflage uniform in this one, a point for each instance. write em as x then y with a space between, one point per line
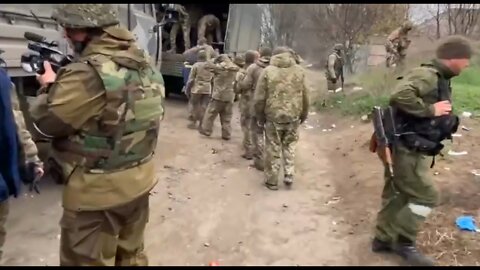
28 154
281 102
104 147
398 43
184 22
199 87
223 95
410 195
334 68
206 26
248 85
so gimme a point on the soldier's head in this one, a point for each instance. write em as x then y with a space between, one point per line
338 47
455 52
239 60
202 41
265 52
82 22
407 26
202 56
280 50
250 57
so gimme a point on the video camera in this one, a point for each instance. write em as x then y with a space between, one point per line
42 51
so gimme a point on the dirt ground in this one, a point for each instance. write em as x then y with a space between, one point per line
210 205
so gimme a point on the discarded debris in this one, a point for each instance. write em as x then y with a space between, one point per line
324 130
357 88
312 113
214 151
213 263
333 200
352 126
308 127
475 172
453 153
338 89
466 128
467 114
456 135
285 205
436 173
446 168
167 167
364 118
247 194
466 223
206 244
333 126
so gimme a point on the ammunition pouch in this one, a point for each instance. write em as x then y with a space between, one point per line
425 135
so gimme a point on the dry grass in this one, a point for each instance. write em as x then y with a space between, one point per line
444 242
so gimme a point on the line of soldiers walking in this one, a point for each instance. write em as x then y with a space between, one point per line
273 103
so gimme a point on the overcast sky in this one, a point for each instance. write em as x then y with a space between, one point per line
421 12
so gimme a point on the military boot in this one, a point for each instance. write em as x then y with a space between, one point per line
201 131
271 186
192 125
381 246
258 164
288 180
247 156
408 251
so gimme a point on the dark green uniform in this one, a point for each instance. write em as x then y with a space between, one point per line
410 195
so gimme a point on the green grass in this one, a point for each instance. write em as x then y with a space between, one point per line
378 82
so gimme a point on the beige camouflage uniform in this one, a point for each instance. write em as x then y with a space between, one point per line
334 68
103 146
223 95
281 102
28 154
207 25
248 85
397 44
199 87
184 23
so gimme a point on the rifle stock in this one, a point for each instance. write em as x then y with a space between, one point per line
382 143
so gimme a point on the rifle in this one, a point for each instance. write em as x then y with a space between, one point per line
384 135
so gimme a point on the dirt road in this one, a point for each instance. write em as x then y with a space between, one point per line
209 205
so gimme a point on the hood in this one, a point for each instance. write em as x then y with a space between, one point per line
119 43
283 60
443 69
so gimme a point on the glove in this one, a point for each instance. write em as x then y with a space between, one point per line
334 80
31 174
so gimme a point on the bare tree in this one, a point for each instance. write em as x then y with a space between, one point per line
462 18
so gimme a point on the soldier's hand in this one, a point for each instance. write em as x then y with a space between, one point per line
442 108
48 77
38 171
334 80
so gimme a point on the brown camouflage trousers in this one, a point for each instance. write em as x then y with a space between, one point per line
199 106
190 109
4 209
113 237
258 142
186 35
280 144
245 123
225 110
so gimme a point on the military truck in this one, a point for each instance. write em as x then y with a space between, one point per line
241 31
16 19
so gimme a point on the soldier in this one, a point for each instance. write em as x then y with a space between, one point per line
245 104
222 97
424 114
191 54
184 22
238 60
334 68
104 147
397 44
199 88
22 156
281 105
207 25
249 84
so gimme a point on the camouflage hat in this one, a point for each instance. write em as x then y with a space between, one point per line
85 15
265 52
239 60
338 47
454 47
407 25
250 56
202 55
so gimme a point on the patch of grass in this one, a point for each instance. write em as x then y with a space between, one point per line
378 83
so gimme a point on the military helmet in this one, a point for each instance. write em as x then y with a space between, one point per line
239 60
85 15
407 25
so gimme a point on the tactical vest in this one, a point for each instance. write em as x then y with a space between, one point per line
337 66
126 132
425 135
